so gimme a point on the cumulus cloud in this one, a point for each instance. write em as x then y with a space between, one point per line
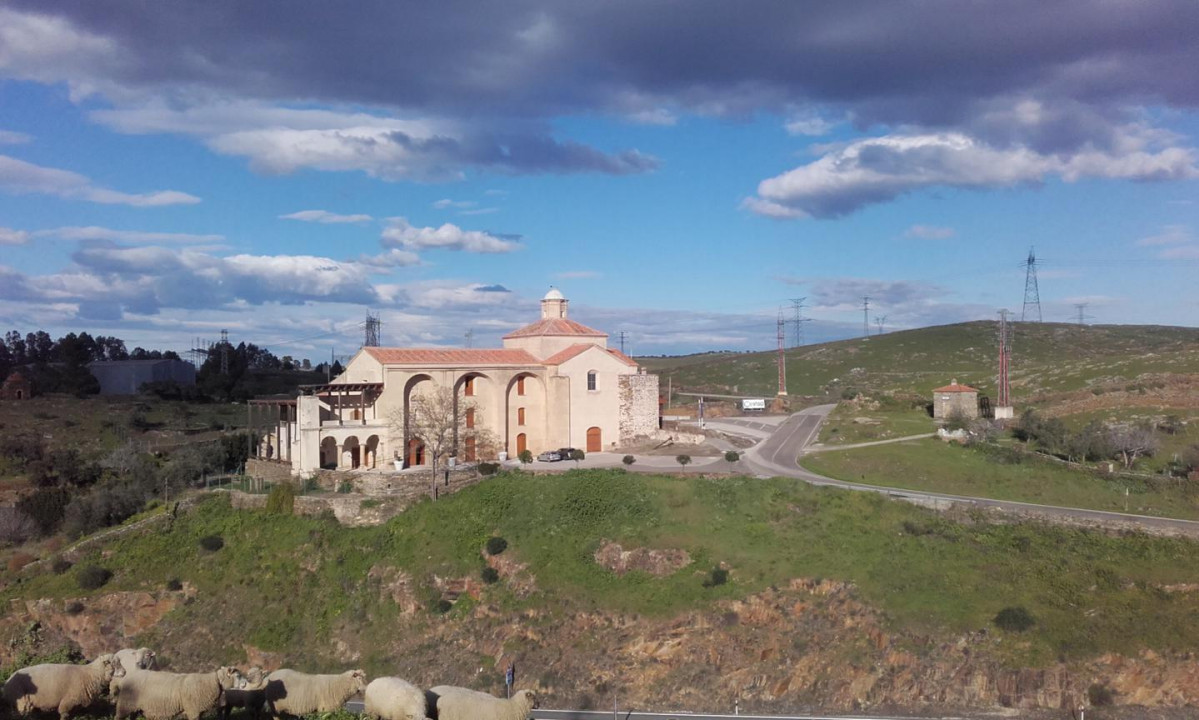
392 259
8 236
929 232
21 178
93 232
847 292
875 170
324 216
402 234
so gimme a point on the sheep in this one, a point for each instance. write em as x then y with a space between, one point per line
60 687
140 659
447 702
289 692
165 695
253 697
390 698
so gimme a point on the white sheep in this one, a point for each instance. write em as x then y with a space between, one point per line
60 687
165 695
391 698
139 659
253 697
289 692
457 703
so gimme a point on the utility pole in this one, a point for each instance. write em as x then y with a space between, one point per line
1003 409
797 305
1032 293
622 334
782 325
1082 315
880 322
866 316
373 325
470 334
224 352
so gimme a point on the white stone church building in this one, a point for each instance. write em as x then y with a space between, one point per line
554 383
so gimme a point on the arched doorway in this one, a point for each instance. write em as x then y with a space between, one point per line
416 452
595 442
370 460
522 443
351 454
329 453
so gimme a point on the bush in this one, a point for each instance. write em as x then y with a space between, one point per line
174 584
281 500
628 460
496 545
92 577
732 456
345 487
19 560
490 575
15 526
212 543
487 469
683 460
442 606
74 607
46 507
525 457
1100 695
1014 619
718 576
60 565
311 485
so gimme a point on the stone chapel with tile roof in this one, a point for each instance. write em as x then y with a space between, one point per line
554 383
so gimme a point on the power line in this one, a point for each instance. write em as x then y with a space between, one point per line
622 335
866 316
797 304
373 326
880 322
1081 315
1032 293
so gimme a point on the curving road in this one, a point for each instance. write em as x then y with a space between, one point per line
779 454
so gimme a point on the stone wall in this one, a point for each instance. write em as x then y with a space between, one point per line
638 406
268 470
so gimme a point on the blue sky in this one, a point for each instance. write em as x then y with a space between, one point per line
679 177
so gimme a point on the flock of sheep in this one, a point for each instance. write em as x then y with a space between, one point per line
133 686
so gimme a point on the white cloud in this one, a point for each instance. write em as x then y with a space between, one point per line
880 169
402 234
480 211
392 258
11 137
20 177
93 232
808 124
577 274
8 236
1170 235
448 204
929 232
324 216
660 117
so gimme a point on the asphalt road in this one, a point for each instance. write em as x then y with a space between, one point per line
779 455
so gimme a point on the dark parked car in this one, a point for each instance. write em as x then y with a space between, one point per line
550 456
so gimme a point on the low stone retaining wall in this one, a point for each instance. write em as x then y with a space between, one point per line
270 471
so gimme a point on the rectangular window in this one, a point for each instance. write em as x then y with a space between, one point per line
520 386
591 383
520 416
468 387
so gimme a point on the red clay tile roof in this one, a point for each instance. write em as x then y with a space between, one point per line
555 326
578 348
451 356
955 387
622 357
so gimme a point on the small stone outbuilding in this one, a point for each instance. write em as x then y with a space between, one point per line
16 387
955 399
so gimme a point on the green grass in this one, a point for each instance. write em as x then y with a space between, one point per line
848 424
290 584
950 468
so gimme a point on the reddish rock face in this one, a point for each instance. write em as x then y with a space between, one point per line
655 562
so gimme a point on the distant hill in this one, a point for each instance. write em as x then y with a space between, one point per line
1046 358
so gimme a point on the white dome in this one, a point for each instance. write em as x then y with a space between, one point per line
553 294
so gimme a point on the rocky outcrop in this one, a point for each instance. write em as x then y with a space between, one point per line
655 562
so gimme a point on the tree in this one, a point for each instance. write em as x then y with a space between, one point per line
577 455
525 457
1130 442
628 460
732 456
436 417
683 460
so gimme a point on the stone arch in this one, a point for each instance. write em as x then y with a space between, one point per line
534 402
484 400
370 457
328 453
414 452
351 453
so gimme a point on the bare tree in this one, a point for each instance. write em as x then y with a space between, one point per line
1130 442
436 417
15 526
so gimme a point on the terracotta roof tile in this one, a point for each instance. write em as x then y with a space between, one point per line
622 357
955 387
563 355
451 356
555 326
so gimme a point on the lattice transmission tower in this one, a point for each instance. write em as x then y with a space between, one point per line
1032 294
373 327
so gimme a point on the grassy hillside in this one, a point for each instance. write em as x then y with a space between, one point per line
303 587
1048 357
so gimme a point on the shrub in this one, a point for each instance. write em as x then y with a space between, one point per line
212 543
15 526
683 460
345 487
60 565
74 607
369 503
311 484
442 606
92 577
1100 695
628 460
732 456
19 560
718 576
525 457
174 584
496 545
577 455
490 575
46 506
1014 619
487 469
281 500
